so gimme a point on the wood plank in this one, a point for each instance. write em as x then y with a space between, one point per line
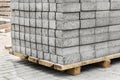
32 59
46 63
113 56
22 56
3 26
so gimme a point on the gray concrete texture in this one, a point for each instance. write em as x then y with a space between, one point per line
66 31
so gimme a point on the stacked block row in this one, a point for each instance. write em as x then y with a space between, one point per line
66 31
5 8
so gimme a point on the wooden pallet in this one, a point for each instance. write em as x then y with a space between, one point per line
73 69
6 27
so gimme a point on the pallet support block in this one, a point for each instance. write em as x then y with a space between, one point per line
106 63
74 71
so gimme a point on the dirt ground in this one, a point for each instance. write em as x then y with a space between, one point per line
12 68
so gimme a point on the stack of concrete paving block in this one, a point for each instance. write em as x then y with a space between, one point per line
5 8
66 31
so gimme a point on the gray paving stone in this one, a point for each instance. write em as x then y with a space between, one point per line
88 23
67 42
88 6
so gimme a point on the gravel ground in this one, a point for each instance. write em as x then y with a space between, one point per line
12 68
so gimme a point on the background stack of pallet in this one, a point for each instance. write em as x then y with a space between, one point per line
66 31
5 8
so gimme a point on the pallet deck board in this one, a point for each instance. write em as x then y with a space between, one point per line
45 63
19 55
34 60
6 27
73 69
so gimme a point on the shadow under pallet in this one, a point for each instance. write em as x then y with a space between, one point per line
73 69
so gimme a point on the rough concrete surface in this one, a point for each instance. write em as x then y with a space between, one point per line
12 68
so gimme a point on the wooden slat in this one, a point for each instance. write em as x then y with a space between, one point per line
3 26
32 59
113 56
46 63
5 8
20 55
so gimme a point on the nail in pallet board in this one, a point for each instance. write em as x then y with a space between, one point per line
65 32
